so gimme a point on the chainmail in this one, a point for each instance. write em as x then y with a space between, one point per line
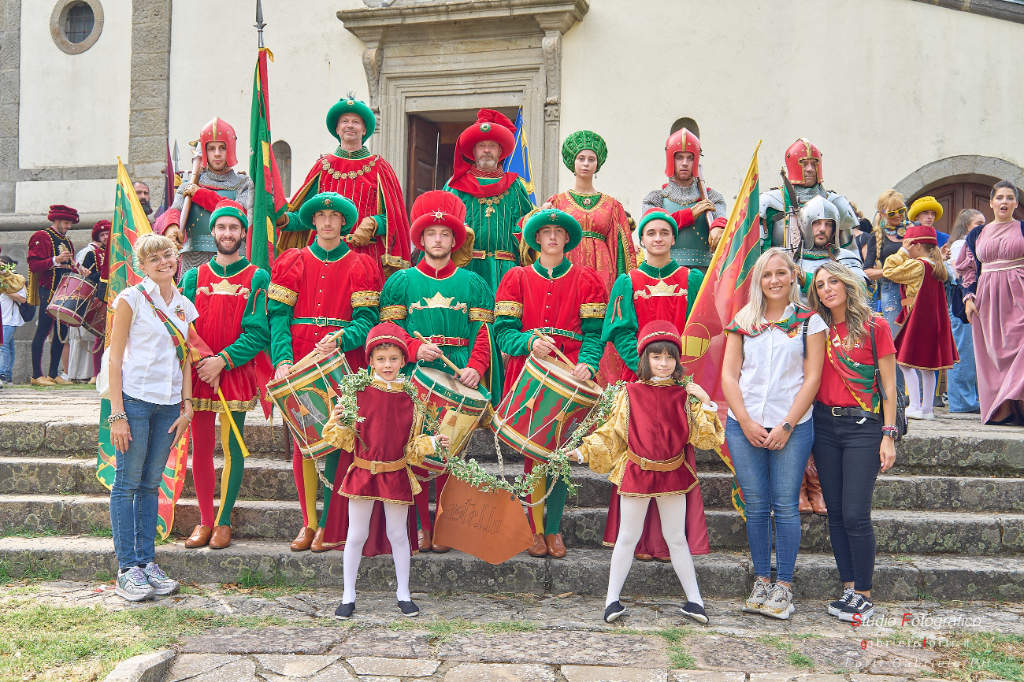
228 180
683 196
193 259
805 194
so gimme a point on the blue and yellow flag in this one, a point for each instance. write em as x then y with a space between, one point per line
519 161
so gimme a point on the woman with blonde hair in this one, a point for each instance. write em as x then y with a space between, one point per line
773 357
150 382
854 428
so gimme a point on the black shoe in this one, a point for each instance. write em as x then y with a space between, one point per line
409 608
858 610
345 611
695 611
836 607
614 610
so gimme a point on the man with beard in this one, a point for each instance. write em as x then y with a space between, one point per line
367 180
495 200
701 219
142 192
804 172
217 180
51 255
230 294
823 237
452 308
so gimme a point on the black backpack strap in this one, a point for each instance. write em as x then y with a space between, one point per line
804 334
874 356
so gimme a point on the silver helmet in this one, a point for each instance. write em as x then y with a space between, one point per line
819 208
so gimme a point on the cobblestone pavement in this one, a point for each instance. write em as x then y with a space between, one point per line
470 637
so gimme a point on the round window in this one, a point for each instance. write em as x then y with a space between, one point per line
75 25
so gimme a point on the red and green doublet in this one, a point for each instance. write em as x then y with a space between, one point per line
43 274
644 295
314 293
371 184
494 207
232 305
454 309
567 304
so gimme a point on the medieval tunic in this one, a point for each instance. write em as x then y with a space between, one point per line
233 322
213 188
371 184
692 247
925 340
655 423
494 207
607 244
44 276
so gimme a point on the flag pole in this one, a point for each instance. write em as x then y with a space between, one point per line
259 22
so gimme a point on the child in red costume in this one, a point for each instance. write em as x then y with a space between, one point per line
925 341
647 446
385 445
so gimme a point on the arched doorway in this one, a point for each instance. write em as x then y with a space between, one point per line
956 196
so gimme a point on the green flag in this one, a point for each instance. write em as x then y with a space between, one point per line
269 202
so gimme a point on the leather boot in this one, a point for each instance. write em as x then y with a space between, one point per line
317 546
423 540
43 381
813 486
221 537
556 548
540 548
639 556
439 549
303 539
805 504
199 538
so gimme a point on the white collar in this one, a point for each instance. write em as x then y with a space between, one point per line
662 380
393 385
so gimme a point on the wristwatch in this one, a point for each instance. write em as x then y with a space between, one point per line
787 427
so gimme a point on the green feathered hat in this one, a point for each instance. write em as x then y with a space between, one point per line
580 140
328 201
552 216
227 207
350 105
658 214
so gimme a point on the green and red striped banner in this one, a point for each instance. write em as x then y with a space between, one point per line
269 201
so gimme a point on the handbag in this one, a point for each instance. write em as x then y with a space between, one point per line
28 312
901 397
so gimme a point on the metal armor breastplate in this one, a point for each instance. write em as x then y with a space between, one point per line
198 227
692 249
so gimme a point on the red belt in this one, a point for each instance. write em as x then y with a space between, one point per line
446 341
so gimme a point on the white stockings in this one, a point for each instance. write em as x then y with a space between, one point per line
396 517
922 395
632 512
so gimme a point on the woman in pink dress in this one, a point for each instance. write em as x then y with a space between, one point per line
991 270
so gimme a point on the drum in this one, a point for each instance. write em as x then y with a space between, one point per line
95 320
456 406
306 397
543 408
70 301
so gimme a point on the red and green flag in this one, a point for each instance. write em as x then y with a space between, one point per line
130 223
269 201
723 293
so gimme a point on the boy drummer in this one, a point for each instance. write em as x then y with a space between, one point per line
565 304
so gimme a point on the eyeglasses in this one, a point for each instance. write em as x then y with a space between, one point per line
902 210
157 258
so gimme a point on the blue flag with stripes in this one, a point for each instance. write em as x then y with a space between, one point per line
519 161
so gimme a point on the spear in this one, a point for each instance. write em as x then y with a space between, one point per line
174 157
259 21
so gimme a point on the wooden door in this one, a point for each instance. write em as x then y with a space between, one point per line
424 138
957 196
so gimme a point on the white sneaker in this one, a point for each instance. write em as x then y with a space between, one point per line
914 414
779 603
928 416
133 585
161 584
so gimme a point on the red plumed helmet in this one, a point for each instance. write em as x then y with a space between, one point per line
799 151
438 207
658 330
218 130
681 141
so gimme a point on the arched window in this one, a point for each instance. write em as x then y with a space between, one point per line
283 154
79 23
687 123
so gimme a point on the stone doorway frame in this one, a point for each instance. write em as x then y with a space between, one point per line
496 54
965 168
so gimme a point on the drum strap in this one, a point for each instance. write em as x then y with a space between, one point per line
559 332
656 465
375 467
320 321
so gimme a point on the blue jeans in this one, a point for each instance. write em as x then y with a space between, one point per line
771 480
7 353
892 305
134 497
962 378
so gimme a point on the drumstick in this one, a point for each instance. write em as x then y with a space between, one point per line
443 358
560 354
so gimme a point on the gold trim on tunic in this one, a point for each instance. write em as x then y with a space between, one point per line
205 405
367 299
481 315
393 312
593 310
282 294
509 309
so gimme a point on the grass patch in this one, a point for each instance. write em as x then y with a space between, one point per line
678 655
799 660
507 626
266 583
30 532
98 531
444 630
26 570
104 577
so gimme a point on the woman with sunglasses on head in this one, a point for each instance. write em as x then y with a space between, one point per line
854 428
891 224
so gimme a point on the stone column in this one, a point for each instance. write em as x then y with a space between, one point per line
150 87
10 88
552 45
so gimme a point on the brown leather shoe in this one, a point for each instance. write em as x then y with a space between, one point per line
639 556
423 538
199 538
805 504
221 537
43 381
440 549
663 559
317 545
556 548
540 548
61 381
303 539
813 486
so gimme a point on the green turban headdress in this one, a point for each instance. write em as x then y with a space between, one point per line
580 140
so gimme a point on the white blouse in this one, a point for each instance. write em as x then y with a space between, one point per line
151 371
773 372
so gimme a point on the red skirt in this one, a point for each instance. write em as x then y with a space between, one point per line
926 339
387 486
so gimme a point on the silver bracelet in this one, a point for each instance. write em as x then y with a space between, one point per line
118 416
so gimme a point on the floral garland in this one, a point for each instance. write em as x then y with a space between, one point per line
349 413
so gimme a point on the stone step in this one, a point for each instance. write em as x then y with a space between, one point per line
585 572
948 447
272 479
896 531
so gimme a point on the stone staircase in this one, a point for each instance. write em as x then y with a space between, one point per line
949 519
